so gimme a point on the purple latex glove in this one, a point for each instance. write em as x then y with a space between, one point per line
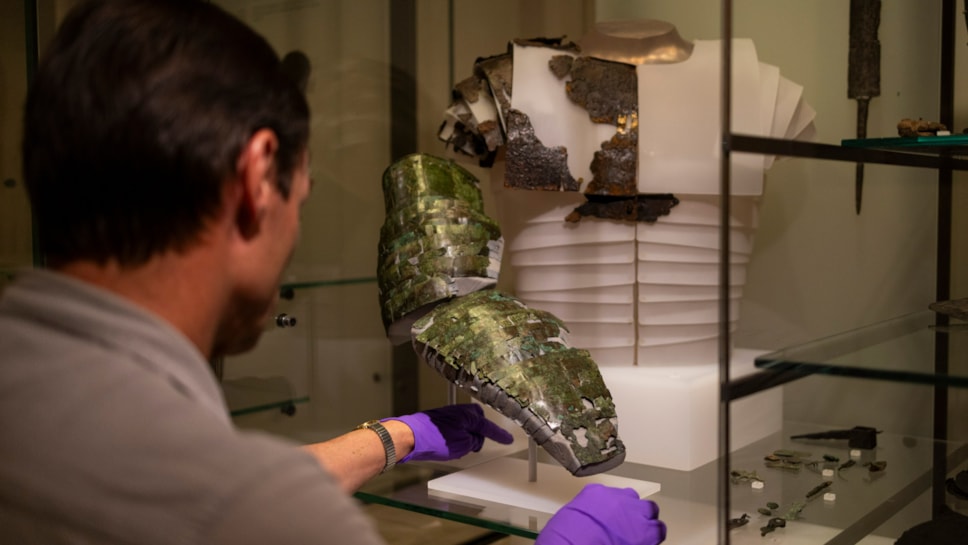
450 432
604 515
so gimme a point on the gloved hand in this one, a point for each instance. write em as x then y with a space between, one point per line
604 515
450 432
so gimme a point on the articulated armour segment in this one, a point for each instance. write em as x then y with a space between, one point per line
437 247
436 242
516 359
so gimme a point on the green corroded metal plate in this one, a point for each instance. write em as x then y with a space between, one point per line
517 360
436 242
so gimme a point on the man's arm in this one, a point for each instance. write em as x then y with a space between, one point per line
445 433
355 457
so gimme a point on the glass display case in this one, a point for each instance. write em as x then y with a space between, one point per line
16 244
832 332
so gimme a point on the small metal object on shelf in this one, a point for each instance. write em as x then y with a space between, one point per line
818 489
739 521
285 320
876 466
858 437
772 525
957 486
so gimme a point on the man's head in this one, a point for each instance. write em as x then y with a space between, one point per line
136 121
167 131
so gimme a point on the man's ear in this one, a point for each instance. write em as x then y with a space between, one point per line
256 170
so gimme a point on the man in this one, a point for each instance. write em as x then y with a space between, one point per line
165 160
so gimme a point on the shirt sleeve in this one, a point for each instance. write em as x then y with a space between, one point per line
293 505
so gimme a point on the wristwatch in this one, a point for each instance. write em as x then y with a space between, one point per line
384 435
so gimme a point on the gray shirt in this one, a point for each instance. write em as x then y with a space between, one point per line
113 430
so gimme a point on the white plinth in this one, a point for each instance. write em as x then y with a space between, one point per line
505 481
669 416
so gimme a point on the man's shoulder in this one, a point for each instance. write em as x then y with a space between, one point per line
145 462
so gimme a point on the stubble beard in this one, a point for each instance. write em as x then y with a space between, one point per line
242 327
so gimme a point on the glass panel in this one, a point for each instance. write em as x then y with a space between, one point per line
874 494
339 362
347 46
946 145
902 349
16 246
277 374
339 340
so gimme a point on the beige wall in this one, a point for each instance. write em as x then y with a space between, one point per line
15 233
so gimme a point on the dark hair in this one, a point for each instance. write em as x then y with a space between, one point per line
137 117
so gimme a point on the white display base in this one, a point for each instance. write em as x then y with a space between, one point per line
505 481
669 415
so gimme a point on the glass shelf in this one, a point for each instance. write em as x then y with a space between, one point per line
406 488
251 395
886 155
326 283
865 502
951 144
901 349
288 287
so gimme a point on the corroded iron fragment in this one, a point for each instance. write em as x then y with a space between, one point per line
436 242
532 165
608 90
560 65
517 360
554 43
479 116
469 89
644 208
919 127
497 72
614 166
